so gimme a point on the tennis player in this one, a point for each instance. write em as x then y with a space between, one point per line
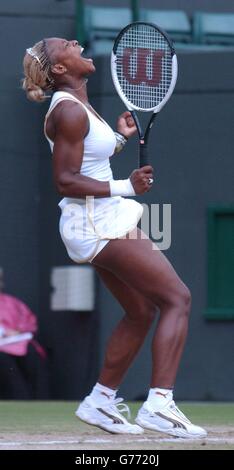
98 225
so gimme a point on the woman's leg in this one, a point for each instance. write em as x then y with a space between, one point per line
137 264
146 272
99 408
127 338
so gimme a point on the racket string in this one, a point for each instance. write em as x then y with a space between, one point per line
144 65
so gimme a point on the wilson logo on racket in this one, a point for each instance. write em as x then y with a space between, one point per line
146 62
144 71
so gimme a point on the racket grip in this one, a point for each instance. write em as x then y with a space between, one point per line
144 159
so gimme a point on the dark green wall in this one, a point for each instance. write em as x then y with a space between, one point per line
192 153
30 245
192 147
67 7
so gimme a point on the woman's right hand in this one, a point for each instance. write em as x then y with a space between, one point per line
141 179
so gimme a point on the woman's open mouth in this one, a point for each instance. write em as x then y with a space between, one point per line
84 58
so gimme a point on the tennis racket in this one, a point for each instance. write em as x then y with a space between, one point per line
144 71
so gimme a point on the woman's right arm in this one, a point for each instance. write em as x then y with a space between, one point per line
71 125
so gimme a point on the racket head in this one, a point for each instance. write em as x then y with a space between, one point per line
144 66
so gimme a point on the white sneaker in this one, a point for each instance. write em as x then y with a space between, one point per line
107 416
168 419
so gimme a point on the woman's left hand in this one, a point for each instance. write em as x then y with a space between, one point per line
126 124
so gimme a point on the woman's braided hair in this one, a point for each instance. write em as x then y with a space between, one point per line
38 78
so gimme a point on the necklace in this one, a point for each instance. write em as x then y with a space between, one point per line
83 84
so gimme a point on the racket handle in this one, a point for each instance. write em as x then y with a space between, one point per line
144 158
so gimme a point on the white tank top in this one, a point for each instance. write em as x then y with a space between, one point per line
99 144
110 217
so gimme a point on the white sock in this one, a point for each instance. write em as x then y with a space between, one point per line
102 394
159 397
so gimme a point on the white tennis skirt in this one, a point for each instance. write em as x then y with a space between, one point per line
87 225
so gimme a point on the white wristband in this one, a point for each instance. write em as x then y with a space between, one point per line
121 188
